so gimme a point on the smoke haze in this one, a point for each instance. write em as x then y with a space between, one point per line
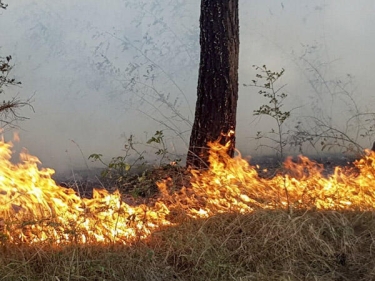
101 72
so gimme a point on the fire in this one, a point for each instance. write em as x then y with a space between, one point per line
33 209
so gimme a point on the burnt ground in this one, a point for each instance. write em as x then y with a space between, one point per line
329 162
137 187
140 187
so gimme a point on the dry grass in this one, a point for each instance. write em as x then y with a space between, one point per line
264 245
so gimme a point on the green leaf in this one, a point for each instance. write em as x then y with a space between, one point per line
95 156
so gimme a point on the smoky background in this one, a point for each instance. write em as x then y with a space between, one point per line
101 72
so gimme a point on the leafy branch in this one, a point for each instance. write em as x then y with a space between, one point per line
9 108
2 5
120 167
273 109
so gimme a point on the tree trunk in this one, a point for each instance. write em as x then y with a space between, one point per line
215 112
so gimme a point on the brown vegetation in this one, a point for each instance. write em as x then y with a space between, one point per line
264 245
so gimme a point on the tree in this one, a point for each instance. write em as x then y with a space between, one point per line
215 112
9 108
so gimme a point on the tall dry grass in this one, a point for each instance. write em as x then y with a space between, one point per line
264 245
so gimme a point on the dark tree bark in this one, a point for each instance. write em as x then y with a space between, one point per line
215 112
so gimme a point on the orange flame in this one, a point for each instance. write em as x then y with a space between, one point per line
34 209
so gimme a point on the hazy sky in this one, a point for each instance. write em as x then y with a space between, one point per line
100 71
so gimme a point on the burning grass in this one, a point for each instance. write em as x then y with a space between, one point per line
230 224
263 245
